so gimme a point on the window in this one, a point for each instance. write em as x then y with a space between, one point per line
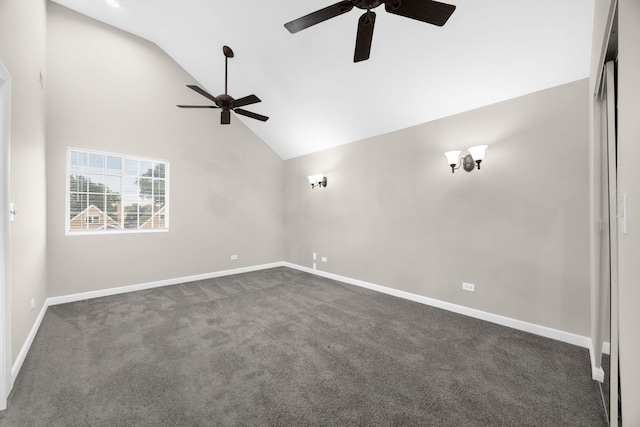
115 193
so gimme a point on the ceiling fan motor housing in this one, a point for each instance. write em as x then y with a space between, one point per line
367 4
224 101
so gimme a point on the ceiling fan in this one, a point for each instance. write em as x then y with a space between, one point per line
429 11
225 101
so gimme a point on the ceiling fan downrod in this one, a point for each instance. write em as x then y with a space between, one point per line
228 53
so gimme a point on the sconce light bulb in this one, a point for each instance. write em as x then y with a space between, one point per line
452 157
477 152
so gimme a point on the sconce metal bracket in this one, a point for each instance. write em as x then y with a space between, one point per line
468 163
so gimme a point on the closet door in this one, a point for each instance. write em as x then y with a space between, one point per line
617 211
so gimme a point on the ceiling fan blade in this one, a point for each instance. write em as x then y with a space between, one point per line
250 114
251 99
196 106
203 93
431 12
318 16
364 36
225 117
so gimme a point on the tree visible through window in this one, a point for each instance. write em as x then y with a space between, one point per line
109 192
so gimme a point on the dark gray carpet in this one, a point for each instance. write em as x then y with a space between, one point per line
284 348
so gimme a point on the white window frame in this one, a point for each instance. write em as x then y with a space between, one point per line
106 230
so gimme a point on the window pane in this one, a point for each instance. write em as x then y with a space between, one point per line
145 188
113 202
79 161
131 167
145 214
77 209
129 199
96 183
114 219
74 185
131 215
74 168
73 158
97 200
114 184
159 202
159 170
96 163
158 188
77 203
81 182
83 162
84 183
114 165
131 186
146 168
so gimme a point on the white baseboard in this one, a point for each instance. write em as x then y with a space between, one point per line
544 331
139 287
597 373
17 365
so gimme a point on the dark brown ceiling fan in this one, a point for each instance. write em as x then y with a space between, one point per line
429 11
225 101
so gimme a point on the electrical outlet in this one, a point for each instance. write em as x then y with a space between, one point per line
33 303
315 255
314 265
234 257
324 259
469 287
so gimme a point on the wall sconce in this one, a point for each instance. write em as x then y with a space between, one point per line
317 180
469 161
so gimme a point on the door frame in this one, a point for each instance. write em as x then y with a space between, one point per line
6 379
614 214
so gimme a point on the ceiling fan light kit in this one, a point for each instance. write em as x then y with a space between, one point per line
225 101
429 11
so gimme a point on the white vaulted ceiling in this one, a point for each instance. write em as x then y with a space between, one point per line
317 97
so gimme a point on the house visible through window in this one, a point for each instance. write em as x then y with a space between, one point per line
111 193
93 219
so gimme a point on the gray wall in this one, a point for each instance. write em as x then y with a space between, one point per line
22 50
393 213
111 91
628 179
